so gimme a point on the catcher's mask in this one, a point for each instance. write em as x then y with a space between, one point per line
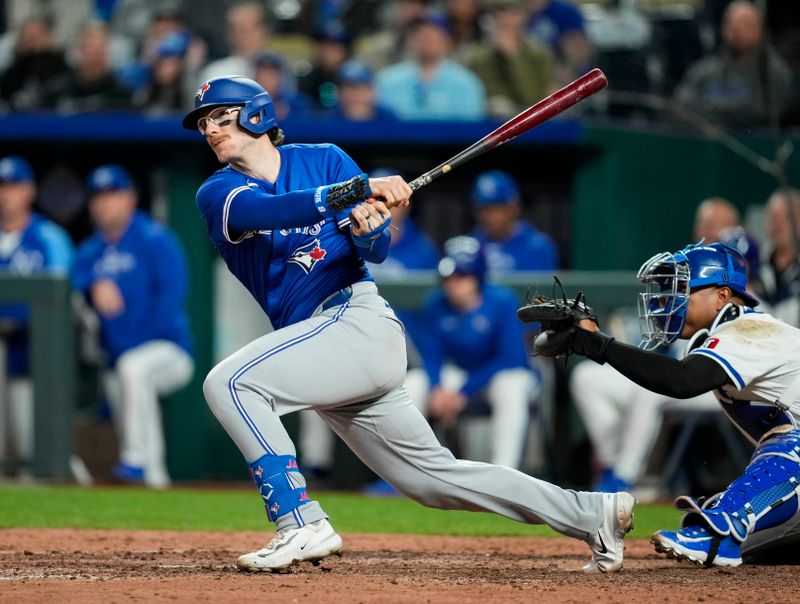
669 279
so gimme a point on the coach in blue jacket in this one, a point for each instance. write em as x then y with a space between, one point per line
133 273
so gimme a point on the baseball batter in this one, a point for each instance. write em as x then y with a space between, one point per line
295 224
752 363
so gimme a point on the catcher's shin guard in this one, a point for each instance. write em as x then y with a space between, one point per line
764 496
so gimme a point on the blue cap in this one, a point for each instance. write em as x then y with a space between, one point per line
355 72
333 31
270 59
173 45
15 169
109 177
494 187
433 17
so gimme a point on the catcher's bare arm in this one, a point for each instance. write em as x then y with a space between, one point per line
561 336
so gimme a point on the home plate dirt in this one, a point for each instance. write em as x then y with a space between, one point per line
38 565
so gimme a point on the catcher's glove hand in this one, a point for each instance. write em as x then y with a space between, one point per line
559 319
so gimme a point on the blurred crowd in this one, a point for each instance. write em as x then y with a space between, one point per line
406 59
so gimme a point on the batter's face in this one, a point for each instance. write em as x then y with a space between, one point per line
15 200
223 134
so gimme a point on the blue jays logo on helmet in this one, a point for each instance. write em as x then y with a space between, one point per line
463 255
257 114
670 279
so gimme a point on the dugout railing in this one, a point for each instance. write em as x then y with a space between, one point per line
54 366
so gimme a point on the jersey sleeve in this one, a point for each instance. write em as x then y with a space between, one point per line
741 362
81 274
170 280
234 210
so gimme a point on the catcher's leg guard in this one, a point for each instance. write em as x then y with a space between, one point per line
280 484
763 497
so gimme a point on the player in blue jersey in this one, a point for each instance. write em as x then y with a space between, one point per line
473 345
295 224
133 273
29 244
510 243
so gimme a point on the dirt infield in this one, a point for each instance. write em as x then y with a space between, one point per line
118 566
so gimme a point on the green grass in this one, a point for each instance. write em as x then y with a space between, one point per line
240 509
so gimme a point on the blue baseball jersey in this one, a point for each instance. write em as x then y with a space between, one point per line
149 267
279 239
481 341
41 247
525 250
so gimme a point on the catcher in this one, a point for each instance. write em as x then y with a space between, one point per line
750 360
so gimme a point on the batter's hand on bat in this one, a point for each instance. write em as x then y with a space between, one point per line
366 217
392 190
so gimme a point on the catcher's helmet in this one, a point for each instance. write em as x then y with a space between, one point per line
737 238
670 278
234 91
494 187
463 255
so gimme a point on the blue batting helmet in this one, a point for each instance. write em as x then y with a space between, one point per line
494 187
463 255
234 91
670 278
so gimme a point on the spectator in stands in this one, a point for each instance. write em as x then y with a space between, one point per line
248 36
133 273
473 351
29 244
331 50
356 94
515 69
166 90
464 16
561 26
431 85
36 60
90 85
510 243
387 46
780 267
66 19
729 86
272 74
713 215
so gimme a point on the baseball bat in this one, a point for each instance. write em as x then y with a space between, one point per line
558 102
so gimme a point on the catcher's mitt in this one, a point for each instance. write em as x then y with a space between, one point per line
558 317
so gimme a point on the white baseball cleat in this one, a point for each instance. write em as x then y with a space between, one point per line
309 543
608 545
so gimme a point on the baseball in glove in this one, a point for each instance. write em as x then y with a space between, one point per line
559 318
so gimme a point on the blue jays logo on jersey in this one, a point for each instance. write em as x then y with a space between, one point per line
308 255
202 90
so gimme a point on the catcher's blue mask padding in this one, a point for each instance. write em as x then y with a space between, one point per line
670 278
235 91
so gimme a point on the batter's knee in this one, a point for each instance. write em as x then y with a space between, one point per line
215 386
